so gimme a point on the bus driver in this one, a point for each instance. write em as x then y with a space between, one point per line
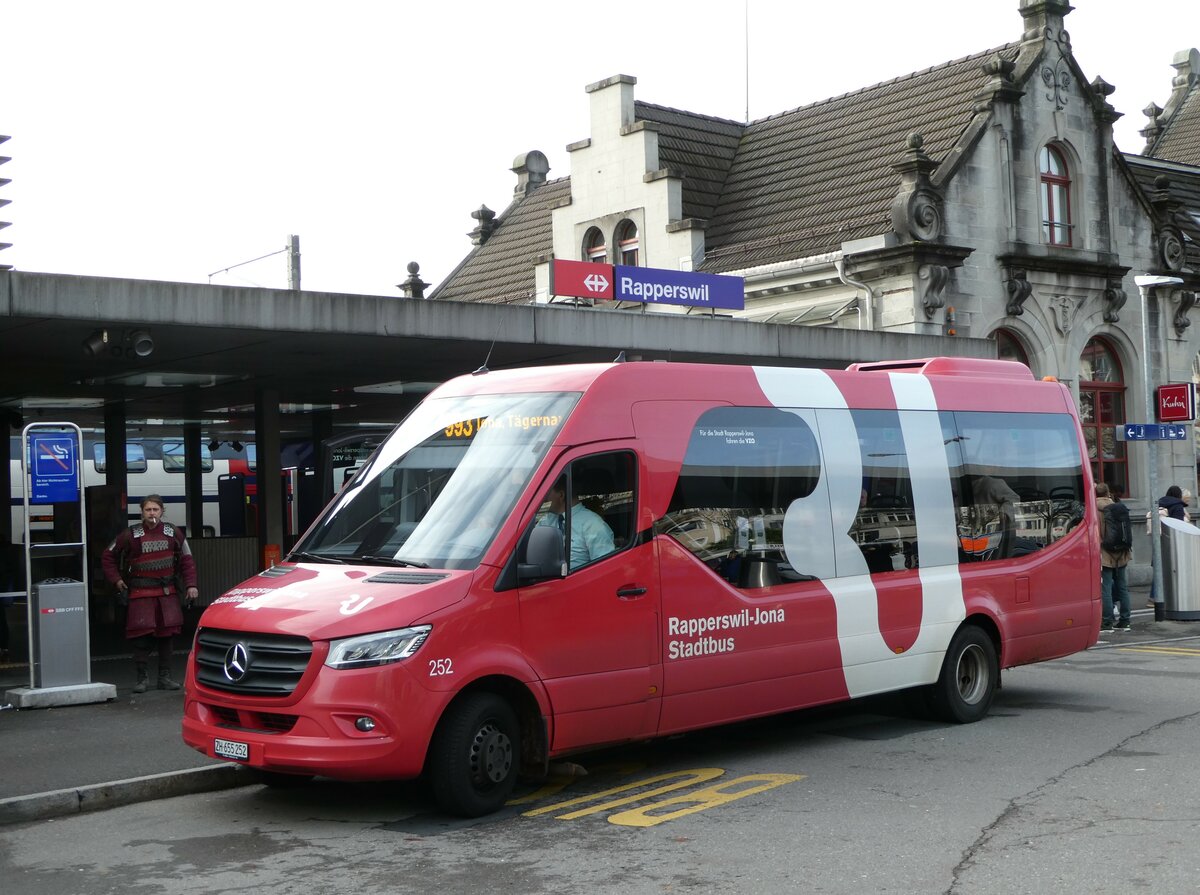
591 538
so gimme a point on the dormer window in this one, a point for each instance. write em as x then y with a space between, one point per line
1056 196
594 248
627 243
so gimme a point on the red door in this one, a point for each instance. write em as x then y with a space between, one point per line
592 637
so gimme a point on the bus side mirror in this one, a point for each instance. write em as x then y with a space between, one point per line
543 555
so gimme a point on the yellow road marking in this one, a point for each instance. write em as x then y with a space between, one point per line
681 778
701 799
1161 650
557 784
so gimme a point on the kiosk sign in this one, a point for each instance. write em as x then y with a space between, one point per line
1176 402
53 469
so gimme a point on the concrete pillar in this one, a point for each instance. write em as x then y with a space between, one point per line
322 428
267 475
116 470
193 480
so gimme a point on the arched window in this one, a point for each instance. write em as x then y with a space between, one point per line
1056 196
594 248
627 243
1008 347
1101 410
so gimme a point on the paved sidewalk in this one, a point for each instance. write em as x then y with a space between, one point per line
83 757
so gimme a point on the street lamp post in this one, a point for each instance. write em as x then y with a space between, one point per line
1145 284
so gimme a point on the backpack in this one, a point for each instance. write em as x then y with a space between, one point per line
1117 536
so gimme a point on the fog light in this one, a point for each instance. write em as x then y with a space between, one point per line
365 724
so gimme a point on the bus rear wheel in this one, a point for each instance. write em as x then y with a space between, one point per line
970 672
474 756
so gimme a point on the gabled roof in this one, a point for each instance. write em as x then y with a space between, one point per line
1180 139
807 180
501 271
699 147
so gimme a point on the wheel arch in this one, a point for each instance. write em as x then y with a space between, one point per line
534 735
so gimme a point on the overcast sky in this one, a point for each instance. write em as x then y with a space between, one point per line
172 140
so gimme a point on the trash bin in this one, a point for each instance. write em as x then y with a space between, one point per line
60 633
1181 569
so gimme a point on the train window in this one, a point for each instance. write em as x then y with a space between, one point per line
173 460
135 457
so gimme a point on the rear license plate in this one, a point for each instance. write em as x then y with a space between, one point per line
230 749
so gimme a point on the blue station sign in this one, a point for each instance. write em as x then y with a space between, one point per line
679 287
1152 432
649 285
53 469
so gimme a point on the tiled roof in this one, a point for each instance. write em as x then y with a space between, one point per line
807 180
501 270
700 148
1180 141
1184 189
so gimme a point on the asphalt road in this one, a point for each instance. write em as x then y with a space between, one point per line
1085 778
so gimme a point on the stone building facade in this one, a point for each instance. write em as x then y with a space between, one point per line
982 197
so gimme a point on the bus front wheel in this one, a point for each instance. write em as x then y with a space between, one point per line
474 756
970 672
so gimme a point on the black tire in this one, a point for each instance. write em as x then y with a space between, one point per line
965 688
475 756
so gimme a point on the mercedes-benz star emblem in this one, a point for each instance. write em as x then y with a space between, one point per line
237 662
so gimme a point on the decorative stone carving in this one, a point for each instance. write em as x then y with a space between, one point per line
1168 237
1057 77
1114 300
1187 301
413 286
1062 308
933 279
917 208
1000 86
1018 289
1170 248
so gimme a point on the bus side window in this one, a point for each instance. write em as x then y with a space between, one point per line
743 468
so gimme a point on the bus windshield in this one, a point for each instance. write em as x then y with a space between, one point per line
436 491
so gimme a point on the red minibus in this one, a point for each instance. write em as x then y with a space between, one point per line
538 562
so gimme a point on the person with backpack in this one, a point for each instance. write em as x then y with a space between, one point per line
1116 550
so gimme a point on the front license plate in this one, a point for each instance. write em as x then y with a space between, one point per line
230 749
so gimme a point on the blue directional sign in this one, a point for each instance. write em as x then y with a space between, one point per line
679 287
1152 432
53 469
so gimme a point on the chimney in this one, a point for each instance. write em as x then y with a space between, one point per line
531 169
487 225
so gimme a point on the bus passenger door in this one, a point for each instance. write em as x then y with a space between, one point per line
591 636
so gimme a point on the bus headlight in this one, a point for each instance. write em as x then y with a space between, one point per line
376 649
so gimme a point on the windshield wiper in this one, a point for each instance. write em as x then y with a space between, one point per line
316 557
392 561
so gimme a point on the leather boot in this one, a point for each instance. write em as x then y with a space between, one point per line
164 680
143 678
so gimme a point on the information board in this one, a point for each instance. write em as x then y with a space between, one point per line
53 469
